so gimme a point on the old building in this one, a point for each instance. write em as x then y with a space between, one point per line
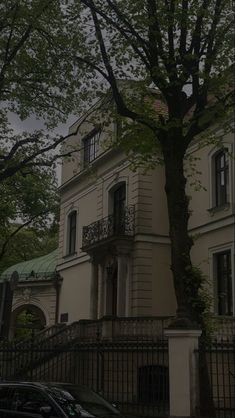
30 288
106 296
113 259
114 253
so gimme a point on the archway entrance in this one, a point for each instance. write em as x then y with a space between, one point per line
26 319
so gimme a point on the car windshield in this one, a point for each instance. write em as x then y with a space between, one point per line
79 401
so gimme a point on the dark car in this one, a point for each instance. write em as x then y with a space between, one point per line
52 400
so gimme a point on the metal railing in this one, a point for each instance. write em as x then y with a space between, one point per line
224 327
109 227
133 375
220 360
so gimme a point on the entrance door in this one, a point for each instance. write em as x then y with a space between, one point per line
119 202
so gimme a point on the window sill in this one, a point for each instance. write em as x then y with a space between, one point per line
217 209
70 256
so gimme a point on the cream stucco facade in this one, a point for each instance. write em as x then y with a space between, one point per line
114 248
128 274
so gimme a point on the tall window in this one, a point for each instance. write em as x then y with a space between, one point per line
221 165
119 202
72 229
224 283
91 147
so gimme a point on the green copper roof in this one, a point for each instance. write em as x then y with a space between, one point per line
35 269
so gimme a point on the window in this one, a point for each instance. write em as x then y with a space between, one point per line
221 173
29 401
5 400
119 202
91 147
224 286
72 229
64 317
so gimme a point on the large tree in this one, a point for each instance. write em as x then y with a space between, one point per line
179 54
36 77
28 215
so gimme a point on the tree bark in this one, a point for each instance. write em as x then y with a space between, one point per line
186 282
181 242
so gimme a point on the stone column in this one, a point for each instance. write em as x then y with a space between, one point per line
101 291
183 371
94 290
121 283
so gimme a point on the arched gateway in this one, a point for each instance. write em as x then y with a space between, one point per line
29 296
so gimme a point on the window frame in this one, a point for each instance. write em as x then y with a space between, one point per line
213 154
213 252
221 175
224 305
91 146
72 233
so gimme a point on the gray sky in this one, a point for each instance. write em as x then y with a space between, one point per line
32 123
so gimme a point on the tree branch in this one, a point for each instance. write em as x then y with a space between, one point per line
125 33
207 116
183 28
18 229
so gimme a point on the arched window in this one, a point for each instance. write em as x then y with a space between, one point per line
72 232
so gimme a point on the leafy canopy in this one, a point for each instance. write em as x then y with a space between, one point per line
182 49
28 201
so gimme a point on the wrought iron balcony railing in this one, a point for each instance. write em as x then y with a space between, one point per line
108 227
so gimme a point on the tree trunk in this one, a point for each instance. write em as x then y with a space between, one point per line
181 243
187 282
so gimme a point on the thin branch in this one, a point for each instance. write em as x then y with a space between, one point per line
170 29
86 61
196 36
18 229
121 106
197 126
183 28
125 33
30 160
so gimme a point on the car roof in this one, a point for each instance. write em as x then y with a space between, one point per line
20 383
41 385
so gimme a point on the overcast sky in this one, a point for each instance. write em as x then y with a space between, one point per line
32 123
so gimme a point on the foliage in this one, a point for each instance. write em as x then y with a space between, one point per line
28 201
35 73
36 76
178 56
24 325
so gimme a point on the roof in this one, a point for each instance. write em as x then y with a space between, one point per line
36 269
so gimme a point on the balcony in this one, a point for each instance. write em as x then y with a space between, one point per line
109 228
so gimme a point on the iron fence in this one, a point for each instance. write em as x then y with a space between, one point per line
133 375
220 359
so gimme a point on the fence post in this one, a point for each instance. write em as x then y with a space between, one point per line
107 327
183 371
